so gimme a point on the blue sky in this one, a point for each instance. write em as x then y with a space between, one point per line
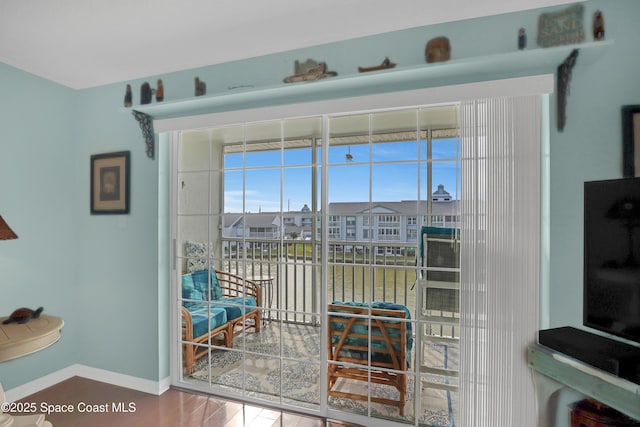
384 172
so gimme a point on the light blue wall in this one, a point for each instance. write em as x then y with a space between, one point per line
589 149
106 275
117 261
39 195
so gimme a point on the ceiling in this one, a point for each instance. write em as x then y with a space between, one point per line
87 43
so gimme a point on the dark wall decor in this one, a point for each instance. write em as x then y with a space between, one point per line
110 183
631 141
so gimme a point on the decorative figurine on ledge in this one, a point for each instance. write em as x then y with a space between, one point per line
201 87
23 315
160 91
308 71
128 97
522 38
145 93
438 50
385 64
598 26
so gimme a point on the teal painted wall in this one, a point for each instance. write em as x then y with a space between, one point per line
117 261
589 149
107 275
39 195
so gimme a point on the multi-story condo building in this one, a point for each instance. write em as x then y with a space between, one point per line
393 222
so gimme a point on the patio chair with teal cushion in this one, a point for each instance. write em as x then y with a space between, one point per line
370 342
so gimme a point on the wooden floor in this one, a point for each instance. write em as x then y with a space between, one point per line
174 408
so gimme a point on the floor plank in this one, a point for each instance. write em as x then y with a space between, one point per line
98 404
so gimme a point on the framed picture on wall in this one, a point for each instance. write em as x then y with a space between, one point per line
110 183
631 140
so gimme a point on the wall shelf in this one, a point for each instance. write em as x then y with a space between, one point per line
565 371
531 61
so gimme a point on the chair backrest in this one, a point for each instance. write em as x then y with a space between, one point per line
440 258
440 248
235 286
384 339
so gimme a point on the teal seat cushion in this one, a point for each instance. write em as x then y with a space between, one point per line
234 306
201 283
202 315
189 291
375 332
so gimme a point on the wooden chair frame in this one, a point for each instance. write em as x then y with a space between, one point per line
232 286
341 321
195 348
235 286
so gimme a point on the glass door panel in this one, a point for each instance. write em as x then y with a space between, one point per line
247 221
372 193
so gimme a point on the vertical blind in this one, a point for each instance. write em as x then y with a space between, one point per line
500 223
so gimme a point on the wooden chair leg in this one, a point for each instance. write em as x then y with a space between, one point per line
188 355
228 335
258 320
403 393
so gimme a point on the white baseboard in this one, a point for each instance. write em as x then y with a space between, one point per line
114 378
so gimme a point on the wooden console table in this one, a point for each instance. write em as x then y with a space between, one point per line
554 370
18 340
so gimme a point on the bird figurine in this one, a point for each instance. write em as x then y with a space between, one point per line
128 97
23 315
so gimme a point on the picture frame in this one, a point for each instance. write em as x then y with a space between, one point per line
631 141
110 183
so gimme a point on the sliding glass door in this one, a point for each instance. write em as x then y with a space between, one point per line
248 213
380 267
318 263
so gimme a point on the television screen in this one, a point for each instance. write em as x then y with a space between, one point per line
612 257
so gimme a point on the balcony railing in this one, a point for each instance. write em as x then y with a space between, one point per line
290 272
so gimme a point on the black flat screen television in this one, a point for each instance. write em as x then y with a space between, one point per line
612 257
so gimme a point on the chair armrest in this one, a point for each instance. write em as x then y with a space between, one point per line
233 285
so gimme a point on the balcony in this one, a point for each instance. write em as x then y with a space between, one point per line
289 271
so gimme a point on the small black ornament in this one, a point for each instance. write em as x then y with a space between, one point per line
145 93
522 38
201 87
128 97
